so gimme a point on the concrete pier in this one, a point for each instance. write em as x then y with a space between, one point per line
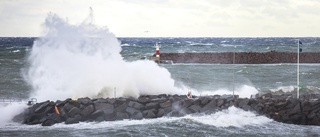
242 57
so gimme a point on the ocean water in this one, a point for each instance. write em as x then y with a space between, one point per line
72 61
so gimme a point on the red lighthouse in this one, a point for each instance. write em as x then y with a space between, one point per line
157 50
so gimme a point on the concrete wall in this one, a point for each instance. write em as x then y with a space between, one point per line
242 57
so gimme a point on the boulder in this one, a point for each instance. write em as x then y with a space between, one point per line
42 107
121 116
152 105
73 120
135 105
149 114
195 108
161 112
84 101
132 111
122 107
137 116
105 107
87 111
210 107
48 122
165 104
73 112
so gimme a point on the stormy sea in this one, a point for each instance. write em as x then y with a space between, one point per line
85 60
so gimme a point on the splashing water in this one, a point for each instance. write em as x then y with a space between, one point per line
9 111
232 116
72 61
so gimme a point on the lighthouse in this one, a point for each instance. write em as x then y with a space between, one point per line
157 50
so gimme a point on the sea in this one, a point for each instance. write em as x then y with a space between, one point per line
85 60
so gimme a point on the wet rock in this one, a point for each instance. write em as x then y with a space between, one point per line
48 122
121 116
152 105
131 111
195 108
73 120
73 112
161 112
137 116
122 107
281 108
165 104
84 101
135 105
105 107
87 111
43 107
210 107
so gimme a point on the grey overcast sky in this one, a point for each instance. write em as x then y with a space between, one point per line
170 18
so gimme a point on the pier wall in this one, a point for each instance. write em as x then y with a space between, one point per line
242 57
284 108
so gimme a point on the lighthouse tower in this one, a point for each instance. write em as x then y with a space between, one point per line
157 50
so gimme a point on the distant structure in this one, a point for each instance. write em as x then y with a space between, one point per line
156 56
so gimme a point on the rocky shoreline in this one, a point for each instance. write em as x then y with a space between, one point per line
242 57
284 108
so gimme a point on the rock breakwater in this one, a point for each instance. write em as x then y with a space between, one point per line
242 57
282 108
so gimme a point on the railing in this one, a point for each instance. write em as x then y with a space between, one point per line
10 100
3 100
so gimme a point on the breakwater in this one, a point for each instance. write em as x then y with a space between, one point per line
242 57
284 108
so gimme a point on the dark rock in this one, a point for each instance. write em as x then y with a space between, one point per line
204 100
87 111
165 104
143 99
73 120
101 100
295 110
48 122
137 116
161 112
131 111
105 107
151 105
244 102
35 119
184 111
187 103
149 114
51 120
73 112
96 114
84 101
220 102
195 108
122 107
121 116
43 107
68 106
210 107
135 105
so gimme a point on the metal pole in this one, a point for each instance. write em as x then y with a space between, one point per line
115 92
298 54
233 74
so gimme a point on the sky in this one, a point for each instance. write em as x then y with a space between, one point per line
169 18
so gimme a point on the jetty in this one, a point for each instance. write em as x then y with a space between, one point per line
286 108
271 57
